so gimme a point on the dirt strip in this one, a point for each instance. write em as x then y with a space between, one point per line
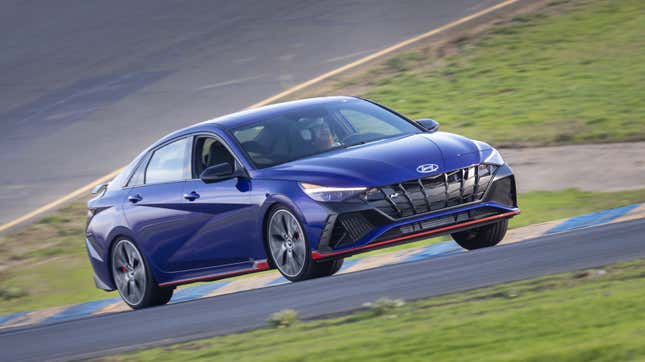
600 167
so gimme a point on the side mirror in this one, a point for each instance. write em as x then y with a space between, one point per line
430 125
99 188
219 172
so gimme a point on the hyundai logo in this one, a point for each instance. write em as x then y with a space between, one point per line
427 168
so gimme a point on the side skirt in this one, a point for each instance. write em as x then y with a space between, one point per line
258 265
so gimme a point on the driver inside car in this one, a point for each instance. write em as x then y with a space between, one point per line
319 135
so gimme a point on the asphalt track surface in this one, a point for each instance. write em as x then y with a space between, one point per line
100 335
84 86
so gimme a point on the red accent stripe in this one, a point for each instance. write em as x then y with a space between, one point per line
259 265
319 255
262 265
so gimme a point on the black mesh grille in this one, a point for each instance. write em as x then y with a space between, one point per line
434 193
503 191
350 228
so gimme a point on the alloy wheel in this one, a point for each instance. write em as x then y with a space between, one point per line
129 272
287 243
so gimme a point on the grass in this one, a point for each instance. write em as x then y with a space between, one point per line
543 206
592 315
574 72
34 277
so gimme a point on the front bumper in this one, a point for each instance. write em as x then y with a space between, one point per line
353 228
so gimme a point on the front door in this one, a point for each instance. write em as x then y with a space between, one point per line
221 217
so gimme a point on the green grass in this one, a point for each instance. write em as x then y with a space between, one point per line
543 206
572 73
593 315
43 278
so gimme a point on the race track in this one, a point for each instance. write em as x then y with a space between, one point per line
86 85
100 335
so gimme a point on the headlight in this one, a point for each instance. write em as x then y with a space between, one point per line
494 158
490 155
330 194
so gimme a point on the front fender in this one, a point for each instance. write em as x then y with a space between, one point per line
312 215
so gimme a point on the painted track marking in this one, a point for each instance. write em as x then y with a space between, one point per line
45 208
84 189
112 305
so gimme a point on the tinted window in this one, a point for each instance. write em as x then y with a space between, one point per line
248 134
314 129
209 152
137 176
168 163
365 123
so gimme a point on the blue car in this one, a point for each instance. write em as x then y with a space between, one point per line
296 186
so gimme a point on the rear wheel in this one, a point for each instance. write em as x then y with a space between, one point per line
133 278
481 237
289 248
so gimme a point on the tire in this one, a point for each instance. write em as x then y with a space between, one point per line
289 249
328 268
133 278
481 237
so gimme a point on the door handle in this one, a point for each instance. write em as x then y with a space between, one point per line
135 198
192 196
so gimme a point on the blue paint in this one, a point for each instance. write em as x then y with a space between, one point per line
441 249
277 281
282 280
80 310
596 218
199 291
431 251
6 318
349 263
221 231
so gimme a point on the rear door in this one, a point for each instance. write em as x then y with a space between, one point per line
155 207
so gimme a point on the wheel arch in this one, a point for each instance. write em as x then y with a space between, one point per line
272 202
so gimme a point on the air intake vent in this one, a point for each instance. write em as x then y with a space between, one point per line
350 228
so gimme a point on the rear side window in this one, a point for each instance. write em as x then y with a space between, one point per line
137 176
169 163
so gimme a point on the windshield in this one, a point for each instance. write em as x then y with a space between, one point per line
315 129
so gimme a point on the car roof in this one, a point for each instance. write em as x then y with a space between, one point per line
249 116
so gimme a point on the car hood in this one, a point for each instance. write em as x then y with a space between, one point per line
381 162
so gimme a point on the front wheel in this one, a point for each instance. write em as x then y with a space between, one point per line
133 278
290 251
481 237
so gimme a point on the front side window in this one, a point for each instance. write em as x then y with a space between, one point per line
209 152
168 163
314 129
